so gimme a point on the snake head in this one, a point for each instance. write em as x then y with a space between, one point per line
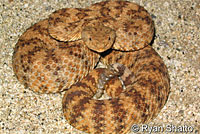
98 37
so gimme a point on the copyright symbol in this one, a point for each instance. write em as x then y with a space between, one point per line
135 128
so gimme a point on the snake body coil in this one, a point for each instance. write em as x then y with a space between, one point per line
60 54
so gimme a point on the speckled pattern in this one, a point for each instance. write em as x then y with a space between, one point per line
177 40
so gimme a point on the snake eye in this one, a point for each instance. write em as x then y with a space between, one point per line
90 39
109 38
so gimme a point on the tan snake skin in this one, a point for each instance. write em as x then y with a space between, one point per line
132 24
48 66
57 53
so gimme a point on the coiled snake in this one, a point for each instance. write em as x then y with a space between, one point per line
61 53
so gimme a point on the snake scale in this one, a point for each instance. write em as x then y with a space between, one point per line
61 53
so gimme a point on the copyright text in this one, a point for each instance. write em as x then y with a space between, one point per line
167 128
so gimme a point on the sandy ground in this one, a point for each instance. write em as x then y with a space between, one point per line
177 40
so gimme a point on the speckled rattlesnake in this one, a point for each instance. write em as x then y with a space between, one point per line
57 53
